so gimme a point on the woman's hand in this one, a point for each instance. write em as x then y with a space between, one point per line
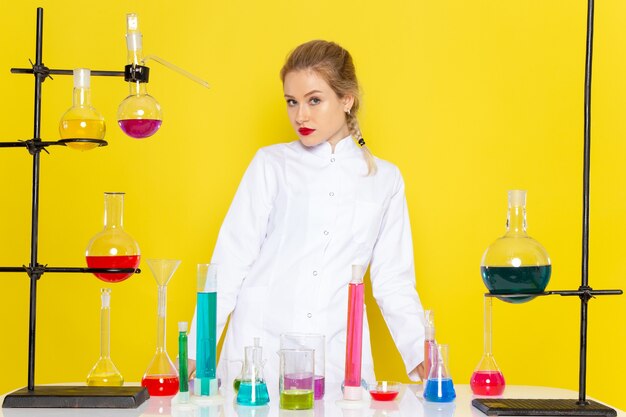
191 367
419 369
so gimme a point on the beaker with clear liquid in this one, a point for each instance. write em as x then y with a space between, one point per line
487 378
439 386
252 387
161 377
516 263
104 372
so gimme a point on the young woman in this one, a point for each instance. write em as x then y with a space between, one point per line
304 213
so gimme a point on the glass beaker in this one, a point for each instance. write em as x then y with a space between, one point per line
516 263
313 341
104 372
138 115
113 247
252 388
297 368
82 121
487 378
206 330
161 377
439 386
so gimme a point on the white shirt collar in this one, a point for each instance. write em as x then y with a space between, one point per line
345 146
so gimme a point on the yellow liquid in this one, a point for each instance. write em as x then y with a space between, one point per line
82 129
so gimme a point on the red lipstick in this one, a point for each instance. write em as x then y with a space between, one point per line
305 131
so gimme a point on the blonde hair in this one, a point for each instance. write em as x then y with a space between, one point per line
334 64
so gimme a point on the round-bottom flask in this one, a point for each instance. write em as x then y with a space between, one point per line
516 266
161 377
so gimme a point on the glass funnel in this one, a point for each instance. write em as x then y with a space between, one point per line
113 247
82 126
161 377
104 372
516 263
487 378
138 115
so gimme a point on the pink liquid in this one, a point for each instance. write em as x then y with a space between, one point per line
304 381
487 383
113 262
160 386
355 335
140 128
428 360
383 395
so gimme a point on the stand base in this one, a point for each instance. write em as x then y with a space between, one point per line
524 407
76 397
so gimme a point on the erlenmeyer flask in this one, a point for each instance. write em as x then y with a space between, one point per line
104 372
161 377
139 114
439 386
113 247
516 263
253 389
487 379
82 123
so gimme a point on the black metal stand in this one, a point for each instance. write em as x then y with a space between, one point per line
582 406
57 397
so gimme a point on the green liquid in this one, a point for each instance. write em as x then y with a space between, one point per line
516 280
236 384
296 399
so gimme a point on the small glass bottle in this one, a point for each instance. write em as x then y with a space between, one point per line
138 115
113 247
439 386
82 123
104 372
161 377
487 378
516 263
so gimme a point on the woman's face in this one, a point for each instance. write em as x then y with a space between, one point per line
315 111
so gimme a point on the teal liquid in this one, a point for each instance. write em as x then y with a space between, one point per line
206 343
252 393
516 280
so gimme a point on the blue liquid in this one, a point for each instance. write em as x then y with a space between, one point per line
439 390
252 393
206 343
516 280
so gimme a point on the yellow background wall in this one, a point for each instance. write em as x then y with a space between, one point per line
468 98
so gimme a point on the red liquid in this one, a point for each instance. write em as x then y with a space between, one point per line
160 386
487 383
140 128
113 262
384 395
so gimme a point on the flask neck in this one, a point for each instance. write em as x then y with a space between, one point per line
113 210
516 221
82 97
137 88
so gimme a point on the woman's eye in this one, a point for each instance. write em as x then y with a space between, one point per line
291 102
315 100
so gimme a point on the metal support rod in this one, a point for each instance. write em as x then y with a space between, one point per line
93 73
65 269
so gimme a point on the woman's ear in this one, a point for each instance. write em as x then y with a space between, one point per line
348 102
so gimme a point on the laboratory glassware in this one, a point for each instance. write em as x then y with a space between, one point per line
104 372
384 390
516 263
161 377
138 115
487 378
253 388
297 368
354 344
313 341
206 330
82 127
439 386
113 247
182 362
429 340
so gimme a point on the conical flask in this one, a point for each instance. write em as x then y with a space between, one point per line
487 378
82 127
104 372
253 389
113 247
138 115
439 386
516 263
161 377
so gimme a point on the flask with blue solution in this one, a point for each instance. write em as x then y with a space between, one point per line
252 388
439 386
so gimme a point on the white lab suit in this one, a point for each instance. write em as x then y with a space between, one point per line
298 222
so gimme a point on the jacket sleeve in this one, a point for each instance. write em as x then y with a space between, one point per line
392 273
240 238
